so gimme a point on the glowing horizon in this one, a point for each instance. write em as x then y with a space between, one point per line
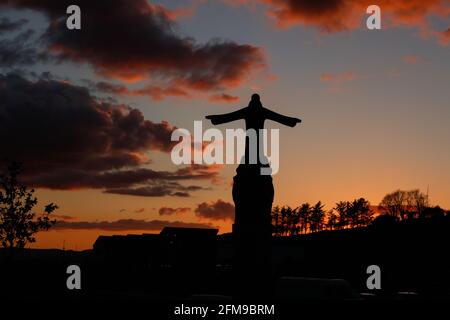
373 104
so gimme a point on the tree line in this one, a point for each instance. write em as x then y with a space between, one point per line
398 205
308 218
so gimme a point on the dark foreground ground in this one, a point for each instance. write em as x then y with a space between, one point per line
413 258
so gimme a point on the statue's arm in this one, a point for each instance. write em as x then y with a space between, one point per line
226 117
287 121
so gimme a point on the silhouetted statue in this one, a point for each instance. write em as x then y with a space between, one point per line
253 196
254 115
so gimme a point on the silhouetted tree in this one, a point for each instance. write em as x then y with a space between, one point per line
332 220
18 223
342 208
416 202
276 220
404 204
284 220
304 213
317 217
392 204
359 213
292 221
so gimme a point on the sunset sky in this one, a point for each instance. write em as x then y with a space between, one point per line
90 112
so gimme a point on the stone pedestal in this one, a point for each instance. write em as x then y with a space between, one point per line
252 231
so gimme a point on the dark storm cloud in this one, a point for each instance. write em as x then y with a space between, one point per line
6 25
168 211
127 224
219 210
106 87
18 51
118 181
65 125
67 139
132 40
156 92
157 188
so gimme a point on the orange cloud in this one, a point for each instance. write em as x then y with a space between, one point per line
159 93
410 59
138 41
339 15
218 210
223 97
272 77
444 37
181 12
167 211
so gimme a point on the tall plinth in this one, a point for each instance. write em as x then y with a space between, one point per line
252 231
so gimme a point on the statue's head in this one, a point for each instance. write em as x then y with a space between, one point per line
255 101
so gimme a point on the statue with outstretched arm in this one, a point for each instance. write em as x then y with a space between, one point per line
254 115
253 195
